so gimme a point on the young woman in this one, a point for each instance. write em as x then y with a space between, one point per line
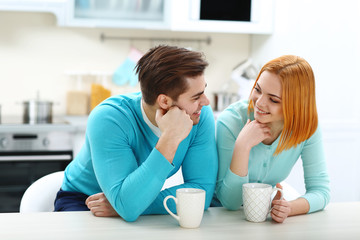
260 139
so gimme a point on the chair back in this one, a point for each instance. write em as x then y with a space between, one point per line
40 196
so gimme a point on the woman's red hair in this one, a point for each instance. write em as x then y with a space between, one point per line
298 99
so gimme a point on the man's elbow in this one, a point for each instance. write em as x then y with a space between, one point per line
129 214
129 217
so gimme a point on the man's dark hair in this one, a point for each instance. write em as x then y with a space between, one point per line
165 69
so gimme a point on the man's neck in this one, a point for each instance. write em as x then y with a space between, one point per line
150 111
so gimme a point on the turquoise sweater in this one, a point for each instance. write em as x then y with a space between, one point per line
119 158
263 166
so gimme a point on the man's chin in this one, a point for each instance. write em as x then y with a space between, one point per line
195 121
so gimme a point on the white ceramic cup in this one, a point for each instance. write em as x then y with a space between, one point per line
257 198
190 203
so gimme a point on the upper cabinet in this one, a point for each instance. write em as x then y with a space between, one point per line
57 7
150 14
231 16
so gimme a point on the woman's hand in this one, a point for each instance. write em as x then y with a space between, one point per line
253 133
281 209
100 206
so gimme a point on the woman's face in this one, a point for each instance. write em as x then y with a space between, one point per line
266 97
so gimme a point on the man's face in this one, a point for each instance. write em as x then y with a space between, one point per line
194 98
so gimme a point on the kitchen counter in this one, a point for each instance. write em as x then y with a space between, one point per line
337 221
60 123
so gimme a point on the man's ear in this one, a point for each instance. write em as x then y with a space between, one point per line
164 101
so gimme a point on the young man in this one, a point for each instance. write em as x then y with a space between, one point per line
135 142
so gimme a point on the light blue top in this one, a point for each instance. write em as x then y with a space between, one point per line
263 166
119 158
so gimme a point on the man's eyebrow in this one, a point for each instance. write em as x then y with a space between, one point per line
200 93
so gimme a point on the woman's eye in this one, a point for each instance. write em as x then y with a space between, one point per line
257 89
274 101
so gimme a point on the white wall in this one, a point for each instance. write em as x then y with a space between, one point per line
35 54
327 34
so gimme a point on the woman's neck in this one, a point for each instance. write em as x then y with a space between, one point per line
276 129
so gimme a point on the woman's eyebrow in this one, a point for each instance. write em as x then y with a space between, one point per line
270 94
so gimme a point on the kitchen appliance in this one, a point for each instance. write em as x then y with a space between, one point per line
28 152
244 75
229 10
224 99
36 111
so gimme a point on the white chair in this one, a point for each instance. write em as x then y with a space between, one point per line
40 196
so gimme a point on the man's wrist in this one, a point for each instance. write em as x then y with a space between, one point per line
167 146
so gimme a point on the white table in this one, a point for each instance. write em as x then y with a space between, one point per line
337 221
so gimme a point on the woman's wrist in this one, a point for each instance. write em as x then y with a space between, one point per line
240 161
242 145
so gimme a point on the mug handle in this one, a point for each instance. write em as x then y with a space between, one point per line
167 209
281 198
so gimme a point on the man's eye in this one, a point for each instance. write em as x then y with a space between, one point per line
197 97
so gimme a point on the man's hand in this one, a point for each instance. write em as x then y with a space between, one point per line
174 122
175 125
100 206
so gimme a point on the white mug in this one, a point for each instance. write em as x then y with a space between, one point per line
257 200
190 203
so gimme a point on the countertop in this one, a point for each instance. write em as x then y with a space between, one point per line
337 221
60 123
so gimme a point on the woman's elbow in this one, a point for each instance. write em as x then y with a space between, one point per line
230 207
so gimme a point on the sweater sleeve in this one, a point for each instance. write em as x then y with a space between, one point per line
315 173
199 167
129 186
229 185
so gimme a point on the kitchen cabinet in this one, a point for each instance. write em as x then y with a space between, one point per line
173 15
186 16
57 7
148 14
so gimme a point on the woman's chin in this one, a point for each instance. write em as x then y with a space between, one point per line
259 119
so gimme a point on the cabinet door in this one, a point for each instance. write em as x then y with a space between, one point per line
119 13
232 16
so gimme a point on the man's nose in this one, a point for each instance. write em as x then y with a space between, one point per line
204 100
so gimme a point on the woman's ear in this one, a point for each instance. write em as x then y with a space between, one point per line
164 101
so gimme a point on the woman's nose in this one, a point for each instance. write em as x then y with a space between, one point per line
260 101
